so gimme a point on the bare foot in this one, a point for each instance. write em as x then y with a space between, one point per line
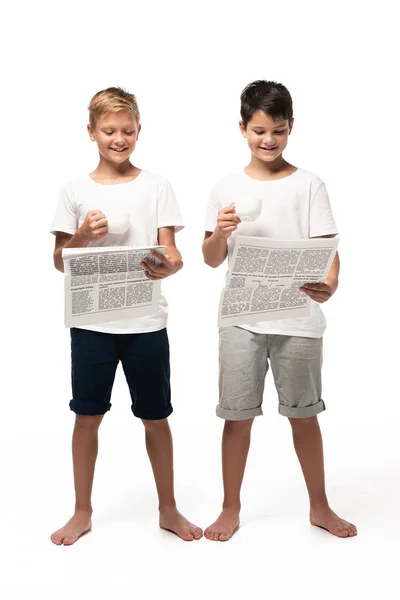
172 520
325 518
224 527
74 529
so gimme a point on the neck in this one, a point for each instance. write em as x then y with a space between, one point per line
107 170
266 169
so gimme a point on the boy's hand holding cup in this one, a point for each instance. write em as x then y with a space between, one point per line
229 217
95 226
227 221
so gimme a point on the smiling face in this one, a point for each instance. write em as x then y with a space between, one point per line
115 134
267 137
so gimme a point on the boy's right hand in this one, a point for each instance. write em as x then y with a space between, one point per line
227 221
95 226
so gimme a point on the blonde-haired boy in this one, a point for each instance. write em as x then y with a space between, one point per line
140 343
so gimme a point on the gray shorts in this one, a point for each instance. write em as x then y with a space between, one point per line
243 364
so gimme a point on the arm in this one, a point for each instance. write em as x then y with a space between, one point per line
65 240
321 292
166 237
333 275
215 249
171 260
215 244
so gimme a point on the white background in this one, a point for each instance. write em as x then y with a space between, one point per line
187 63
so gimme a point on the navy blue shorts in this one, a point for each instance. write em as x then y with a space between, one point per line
145 361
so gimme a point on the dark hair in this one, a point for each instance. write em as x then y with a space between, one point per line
270 97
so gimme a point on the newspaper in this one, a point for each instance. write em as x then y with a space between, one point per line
108 284
265 275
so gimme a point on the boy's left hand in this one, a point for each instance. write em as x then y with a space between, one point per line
169 266
320 292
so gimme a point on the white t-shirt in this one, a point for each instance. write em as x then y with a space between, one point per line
150 202
295 207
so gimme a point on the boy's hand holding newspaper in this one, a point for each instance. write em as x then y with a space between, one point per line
320 292
170 264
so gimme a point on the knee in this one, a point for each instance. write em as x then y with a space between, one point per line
155 426
89 422
300 425
239 427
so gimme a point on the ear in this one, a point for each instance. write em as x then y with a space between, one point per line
291 126
91 133
242 129
138 130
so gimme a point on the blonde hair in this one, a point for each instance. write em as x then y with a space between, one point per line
112 99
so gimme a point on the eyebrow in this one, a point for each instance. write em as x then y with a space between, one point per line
262 127
130 127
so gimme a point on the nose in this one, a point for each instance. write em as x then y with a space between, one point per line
269 139
119 138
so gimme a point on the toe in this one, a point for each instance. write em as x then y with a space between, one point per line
68 540
196 533
224 537
187 536
56 539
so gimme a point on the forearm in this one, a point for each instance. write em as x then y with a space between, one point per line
76 241
172 252
333 275
174 260
215 250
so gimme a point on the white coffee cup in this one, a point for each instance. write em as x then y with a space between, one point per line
248 209
118 223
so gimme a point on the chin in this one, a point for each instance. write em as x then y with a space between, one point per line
118 159
268 158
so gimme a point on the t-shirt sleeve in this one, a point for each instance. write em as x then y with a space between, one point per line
168 213
214 205
66 218
321 217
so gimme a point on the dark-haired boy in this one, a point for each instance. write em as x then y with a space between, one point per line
295 205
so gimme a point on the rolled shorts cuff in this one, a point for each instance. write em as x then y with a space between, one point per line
153 416
238 415
80 407
304 412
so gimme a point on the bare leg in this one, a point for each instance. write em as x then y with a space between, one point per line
308 445
160 450
84 454
235 448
